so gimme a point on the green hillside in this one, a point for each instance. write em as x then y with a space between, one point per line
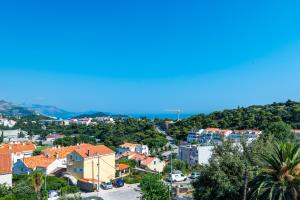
252 117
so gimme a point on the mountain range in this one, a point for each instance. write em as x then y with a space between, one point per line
11 109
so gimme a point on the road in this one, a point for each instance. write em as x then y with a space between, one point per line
128 192
171 143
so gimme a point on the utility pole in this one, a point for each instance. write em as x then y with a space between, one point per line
245 182
171 178
98 175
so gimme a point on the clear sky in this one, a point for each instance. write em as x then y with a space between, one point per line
149 55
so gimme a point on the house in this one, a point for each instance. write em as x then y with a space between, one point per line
61 153
131 147
297 134
147 162
5 169
216 135
7 122
18 150
51 138
92 163
195 154
16 135
41 162
122 170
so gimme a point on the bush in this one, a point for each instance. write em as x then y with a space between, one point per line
69 189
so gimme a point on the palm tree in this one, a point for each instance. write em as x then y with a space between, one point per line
279 178
37 178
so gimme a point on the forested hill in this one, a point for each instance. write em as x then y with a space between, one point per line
252 117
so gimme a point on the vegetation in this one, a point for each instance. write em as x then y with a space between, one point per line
279 176
253 117
110 134
37 178
271 169
23 188
153 188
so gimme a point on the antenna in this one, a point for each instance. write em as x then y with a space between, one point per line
177 111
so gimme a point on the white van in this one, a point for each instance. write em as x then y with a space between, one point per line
177 176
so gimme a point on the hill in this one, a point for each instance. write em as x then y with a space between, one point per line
99 114
10 109
51 111
252 117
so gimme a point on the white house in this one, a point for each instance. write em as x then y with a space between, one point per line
195 154
131 147
5 169
41 162
18 150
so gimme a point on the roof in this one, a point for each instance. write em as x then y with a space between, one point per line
17 148
90 151
212 129
246 131
62 152
122 166
296 131
129 145
148 160
5 164
55 136
38 161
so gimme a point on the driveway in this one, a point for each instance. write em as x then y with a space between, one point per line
128 192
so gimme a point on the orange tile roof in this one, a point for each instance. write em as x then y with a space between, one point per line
122 166
94 150
147 161
64 151
17 148
38 161
212 129
129 145
296 131
5 163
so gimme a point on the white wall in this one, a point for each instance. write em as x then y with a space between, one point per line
6 179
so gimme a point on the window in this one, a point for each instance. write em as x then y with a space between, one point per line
155 162
80 169
77 158
71 157
74 170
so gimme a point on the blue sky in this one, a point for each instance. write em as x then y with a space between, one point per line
147 56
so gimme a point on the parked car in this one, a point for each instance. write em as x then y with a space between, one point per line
194 175
177 176
118 182
106 185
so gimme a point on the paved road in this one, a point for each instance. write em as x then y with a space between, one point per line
171 142
128 192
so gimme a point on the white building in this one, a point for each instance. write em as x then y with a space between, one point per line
18 150
216 135
14 135
7 122
5 169
131 147
195 154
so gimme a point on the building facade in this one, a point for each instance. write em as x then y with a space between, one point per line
195 154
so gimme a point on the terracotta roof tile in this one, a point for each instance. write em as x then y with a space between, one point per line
17 148
63 151
122 166
147 161
94 150
5 163
38 161
129 145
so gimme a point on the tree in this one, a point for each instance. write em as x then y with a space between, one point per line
279 130
37 152
2 137
37 178
223 177
153 188
279 176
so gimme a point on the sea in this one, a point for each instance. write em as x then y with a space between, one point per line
161 115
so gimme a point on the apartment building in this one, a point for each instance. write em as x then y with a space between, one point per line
195 154
92 163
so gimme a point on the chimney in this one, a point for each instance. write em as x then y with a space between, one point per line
88 153
56 155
